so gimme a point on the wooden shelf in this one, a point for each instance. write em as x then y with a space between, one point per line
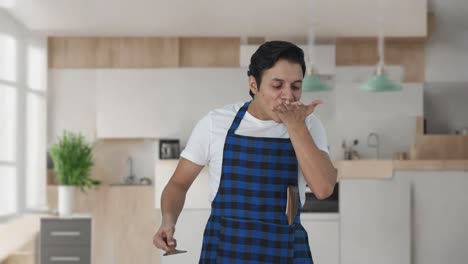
438 147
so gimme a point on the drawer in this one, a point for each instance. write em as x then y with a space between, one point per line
65 255
65 232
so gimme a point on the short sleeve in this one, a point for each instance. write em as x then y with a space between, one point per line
318 133
198 145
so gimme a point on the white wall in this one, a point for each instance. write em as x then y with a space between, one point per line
348 113
446 52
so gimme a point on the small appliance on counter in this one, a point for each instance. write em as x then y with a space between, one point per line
400 156
349 152
169 149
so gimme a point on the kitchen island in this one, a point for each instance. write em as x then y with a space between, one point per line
411 211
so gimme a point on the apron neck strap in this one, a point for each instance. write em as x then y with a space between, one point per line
240 114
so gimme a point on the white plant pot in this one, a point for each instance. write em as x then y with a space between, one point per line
66 199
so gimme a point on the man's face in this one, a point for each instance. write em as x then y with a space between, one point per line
281 82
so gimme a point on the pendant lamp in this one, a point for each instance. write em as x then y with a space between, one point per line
380 82
312 82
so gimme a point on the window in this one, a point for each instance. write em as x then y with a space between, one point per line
8 126
8 61
23 93
35 126
8 178
35 151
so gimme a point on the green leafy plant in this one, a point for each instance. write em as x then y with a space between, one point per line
73 160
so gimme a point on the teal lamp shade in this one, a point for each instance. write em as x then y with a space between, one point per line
312 83
380 83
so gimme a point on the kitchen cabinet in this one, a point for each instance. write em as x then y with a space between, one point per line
439 214
123 222
375 221
73 103
126 105
323 230
162 103
209 51
65 240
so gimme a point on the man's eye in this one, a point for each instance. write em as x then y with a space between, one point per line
276 86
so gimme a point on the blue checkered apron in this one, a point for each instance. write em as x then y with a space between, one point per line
248 222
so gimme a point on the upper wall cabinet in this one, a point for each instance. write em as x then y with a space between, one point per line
163 102
113 52
126 106
142 52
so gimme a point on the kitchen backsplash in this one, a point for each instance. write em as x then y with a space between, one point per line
349 113
111 159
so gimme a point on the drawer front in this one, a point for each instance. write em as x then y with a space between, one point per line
65 255
65 232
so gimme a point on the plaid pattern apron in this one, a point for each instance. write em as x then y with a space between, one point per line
248 222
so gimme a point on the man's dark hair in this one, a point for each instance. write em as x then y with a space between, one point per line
269 53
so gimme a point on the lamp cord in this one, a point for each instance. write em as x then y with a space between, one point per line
311 35
381 40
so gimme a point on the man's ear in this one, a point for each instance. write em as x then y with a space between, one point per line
253 84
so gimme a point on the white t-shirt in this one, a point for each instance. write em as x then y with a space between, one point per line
206 143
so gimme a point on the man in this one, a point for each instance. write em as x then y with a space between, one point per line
254 151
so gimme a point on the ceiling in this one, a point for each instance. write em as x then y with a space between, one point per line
285 18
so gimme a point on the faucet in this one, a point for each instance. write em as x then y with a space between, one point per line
374 137
130 179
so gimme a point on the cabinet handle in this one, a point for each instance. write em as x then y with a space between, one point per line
64 258
65 233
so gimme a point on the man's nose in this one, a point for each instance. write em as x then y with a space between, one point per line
287 94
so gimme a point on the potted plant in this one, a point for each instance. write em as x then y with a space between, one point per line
73 160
